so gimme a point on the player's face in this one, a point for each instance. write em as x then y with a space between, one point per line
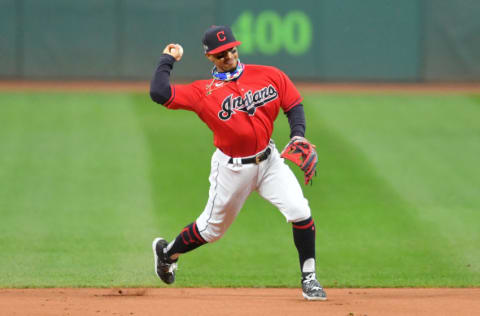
226 60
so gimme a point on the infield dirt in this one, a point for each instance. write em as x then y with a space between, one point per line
238 301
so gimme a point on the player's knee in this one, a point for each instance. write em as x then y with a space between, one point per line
299 218
298 212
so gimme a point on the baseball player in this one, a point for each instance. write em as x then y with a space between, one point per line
240 104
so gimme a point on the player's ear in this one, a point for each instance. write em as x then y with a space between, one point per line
210 57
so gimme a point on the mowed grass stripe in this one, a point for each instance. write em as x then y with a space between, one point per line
367 235
425 149
75 201
133 170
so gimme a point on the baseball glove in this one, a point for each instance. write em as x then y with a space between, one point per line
302 153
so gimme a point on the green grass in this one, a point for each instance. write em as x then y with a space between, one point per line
87 180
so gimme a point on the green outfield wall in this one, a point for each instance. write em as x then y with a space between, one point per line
325 40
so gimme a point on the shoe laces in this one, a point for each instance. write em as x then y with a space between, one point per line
168 267
172 267
309 277
311 282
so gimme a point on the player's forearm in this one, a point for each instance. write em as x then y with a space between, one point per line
160 91
296 120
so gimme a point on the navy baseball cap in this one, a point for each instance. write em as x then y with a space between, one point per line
218 38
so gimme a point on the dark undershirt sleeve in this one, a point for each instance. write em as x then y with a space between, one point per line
296 119
160 91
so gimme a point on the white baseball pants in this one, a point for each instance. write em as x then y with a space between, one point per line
231 184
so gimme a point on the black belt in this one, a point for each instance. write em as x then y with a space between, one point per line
257 159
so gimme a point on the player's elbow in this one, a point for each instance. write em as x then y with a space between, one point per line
157 97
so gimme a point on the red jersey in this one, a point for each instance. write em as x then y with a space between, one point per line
240 112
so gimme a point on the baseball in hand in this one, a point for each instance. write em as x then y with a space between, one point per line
177 51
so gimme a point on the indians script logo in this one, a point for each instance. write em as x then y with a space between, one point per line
249 103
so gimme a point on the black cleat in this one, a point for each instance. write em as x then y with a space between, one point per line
164 267
312 290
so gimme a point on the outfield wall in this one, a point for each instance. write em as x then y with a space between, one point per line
324 40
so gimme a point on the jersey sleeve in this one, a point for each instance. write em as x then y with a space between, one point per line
185 97
288 92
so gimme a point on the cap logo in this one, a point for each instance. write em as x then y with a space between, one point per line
221 36
217 39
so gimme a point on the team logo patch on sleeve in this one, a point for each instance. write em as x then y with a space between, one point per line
248 104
